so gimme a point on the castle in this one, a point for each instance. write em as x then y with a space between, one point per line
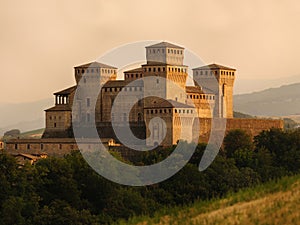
165 75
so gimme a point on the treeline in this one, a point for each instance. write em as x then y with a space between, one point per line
67 191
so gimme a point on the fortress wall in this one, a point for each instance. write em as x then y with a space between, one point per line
62 146
252 126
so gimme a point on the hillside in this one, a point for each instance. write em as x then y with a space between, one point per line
23 116
270 203
281 101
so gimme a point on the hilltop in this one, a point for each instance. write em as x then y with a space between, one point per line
282 101
274 202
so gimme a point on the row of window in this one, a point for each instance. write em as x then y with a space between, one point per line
133 75
41 146
97 70
163 69
124 117
54 117
172 51
215 72
207 97
117 89
155 111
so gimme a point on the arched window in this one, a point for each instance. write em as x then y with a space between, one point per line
223 89
139 117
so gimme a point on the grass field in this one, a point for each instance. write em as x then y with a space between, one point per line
32 134
276 202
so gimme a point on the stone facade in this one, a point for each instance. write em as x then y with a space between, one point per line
162 93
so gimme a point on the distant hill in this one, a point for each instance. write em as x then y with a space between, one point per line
243 86
281 101
23 116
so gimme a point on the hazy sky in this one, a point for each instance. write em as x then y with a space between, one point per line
41 41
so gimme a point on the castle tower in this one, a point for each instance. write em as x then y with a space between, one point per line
220 80
165 60
92 74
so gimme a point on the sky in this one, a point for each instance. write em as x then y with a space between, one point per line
41 41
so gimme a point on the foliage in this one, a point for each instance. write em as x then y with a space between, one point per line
67 191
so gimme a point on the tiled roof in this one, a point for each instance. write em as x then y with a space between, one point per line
66 91
61 107
193 89
136 70
213 66
164 45
122 83
168 104
96 64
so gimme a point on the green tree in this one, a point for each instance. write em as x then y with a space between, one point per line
235 140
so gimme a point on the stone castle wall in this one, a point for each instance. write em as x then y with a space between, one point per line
62 146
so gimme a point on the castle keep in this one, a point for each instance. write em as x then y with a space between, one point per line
177 104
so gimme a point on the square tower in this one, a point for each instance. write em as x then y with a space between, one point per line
165 53
218 79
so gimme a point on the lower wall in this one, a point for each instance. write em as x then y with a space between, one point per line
62 146
252 126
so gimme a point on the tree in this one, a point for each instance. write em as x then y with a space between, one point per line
237 139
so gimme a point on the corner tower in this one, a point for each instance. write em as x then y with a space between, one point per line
225 76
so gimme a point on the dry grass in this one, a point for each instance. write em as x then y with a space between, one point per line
278 208
275 203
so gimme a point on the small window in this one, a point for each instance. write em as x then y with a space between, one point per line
16 146
28 146
88 117
42 146
60 146
88 102
112 117
54 124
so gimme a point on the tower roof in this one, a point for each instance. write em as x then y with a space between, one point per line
96 64
167 103
164 45
66 91
214 66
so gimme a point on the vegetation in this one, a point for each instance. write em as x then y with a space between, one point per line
67 191
274 202
289 123
242 115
